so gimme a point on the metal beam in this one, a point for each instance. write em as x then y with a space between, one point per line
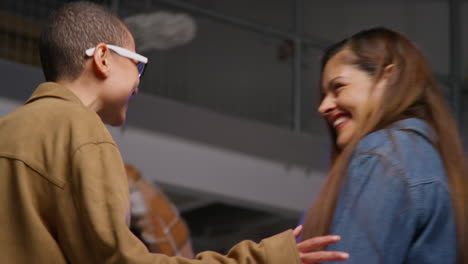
455 57
242 23
297 66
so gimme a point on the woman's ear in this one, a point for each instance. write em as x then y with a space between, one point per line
101 60
388 70
382 83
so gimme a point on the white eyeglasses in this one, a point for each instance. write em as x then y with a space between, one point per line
142 60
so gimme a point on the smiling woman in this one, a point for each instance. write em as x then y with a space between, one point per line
397 186
346 94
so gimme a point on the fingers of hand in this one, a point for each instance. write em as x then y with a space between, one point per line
317 242
297 231
323 256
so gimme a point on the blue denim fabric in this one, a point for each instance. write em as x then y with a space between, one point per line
395 204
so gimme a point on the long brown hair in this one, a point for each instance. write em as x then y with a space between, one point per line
411 91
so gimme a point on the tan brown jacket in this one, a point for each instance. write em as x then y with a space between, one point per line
64 192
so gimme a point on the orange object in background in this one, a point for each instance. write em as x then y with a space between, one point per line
156 218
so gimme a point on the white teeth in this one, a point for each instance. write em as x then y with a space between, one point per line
340 121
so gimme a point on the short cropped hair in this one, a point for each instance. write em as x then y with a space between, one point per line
73 29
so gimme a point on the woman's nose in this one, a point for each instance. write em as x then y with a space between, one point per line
327 105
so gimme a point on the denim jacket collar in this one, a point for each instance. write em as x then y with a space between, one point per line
418 126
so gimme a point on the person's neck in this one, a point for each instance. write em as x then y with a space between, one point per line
85 90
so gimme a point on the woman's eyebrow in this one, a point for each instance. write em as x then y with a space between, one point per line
329 83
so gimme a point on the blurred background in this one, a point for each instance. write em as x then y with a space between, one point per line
225 121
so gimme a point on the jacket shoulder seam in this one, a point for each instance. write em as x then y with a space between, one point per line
57 182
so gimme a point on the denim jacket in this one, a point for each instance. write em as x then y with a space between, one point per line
395 205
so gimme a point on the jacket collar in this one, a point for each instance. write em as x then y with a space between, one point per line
418 126
53 90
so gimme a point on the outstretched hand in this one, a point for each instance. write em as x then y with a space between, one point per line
308 256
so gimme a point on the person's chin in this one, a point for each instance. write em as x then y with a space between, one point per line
342 140
118 121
